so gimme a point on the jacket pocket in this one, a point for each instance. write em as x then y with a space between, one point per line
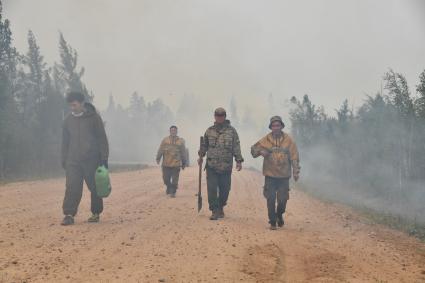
212 141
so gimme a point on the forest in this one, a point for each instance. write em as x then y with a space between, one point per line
371 154
32 107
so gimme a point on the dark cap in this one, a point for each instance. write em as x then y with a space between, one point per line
276 119
220 111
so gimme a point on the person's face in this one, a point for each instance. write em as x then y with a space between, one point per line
220 118
173 132
276 127
76 107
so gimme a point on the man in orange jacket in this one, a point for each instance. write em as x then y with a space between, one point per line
173 153
280 158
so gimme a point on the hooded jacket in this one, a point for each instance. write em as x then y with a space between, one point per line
84 137
283 155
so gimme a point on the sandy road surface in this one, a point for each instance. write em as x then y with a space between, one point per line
146 237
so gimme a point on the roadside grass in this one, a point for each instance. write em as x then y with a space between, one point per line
410 226
60 173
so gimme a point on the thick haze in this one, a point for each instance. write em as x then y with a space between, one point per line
215 49
253 56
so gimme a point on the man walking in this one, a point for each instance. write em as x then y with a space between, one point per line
173 153
221 144
84 148
280 156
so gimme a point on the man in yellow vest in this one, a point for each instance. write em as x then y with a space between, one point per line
280 155
173 153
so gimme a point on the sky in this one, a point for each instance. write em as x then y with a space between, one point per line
215 49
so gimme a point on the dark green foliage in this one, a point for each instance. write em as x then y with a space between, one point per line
374 157
420 102
32 105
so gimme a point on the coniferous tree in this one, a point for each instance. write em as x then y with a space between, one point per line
68 71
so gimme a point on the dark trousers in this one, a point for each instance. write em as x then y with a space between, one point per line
276 189
76 174
170 175
218 186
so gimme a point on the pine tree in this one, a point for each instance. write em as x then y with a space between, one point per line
8 112
67 69
420 102
399 93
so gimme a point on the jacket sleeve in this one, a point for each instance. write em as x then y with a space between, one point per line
183 153
256 150
204 145
237 147
295 158
102 140
160 152
65 143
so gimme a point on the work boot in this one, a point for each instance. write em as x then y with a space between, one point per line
94 218
273 226
67 220
214 215
172 195
280 221
220 213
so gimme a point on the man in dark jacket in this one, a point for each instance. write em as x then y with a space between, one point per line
84 148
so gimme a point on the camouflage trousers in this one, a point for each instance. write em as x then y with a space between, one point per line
276 190
170 176
218 186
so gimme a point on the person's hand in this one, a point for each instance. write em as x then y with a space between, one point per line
200 161
264 153
104 163
239 166
296 176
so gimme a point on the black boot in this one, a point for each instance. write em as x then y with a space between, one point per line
220 212
68 220
214 215
280 221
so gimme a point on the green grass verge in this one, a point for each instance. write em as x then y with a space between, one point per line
409 226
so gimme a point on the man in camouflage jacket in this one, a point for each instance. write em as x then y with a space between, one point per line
221 144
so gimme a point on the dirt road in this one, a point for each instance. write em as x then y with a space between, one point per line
146 237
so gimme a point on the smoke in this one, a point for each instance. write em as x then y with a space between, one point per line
217 49
322 177
196 55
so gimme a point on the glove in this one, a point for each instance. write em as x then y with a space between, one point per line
104 163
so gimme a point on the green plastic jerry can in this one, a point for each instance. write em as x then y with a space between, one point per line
103 184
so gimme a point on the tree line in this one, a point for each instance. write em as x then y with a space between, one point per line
32 107
376 151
